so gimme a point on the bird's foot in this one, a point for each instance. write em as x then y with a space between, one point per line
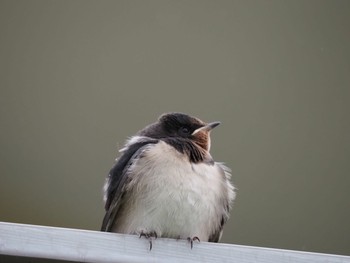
148 235
191 239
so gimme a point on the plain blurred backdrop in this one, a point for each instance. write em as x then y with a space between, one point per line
78 77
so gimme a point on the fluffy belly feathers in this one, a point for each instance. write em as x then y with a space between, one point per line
170 198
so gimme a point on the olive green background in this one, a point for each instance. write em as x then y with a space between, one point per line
78 77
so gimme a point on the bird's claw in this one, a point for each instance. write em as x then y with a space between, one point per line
148 236
191 239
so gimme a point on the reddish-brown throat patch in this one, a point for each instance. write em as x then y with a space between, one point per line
202 139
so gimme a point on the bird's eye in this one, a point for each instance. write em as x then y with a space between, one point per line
185 130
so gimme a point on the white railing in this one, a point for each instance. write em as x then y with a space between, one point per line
93 246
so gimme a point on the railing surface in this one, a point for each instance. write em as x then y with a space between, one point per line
34 241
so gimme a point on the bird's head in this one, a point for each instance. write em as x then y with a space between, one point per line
182 126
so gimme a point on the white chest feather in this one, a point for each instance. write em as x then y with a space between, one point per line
172 196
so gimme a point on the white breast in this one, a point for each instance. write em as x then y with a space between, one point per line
173 197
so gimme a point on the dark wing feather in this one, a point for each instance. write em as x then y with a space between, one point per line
118 177
215 237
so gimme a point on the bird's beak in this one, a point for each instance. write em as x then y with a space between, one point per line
208 127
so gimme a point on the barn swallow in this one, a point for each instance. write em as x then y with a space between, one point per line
166 184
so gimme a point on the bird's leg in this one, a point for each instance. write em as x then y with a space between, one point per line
148 235
191 239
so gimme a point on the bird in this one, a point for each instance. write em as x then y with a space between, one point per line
166 184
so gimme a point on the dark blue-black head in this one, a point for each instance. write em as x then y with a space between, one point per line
181 126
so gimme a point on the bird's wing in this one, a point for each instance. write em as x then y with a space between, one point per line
118 178
226 202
